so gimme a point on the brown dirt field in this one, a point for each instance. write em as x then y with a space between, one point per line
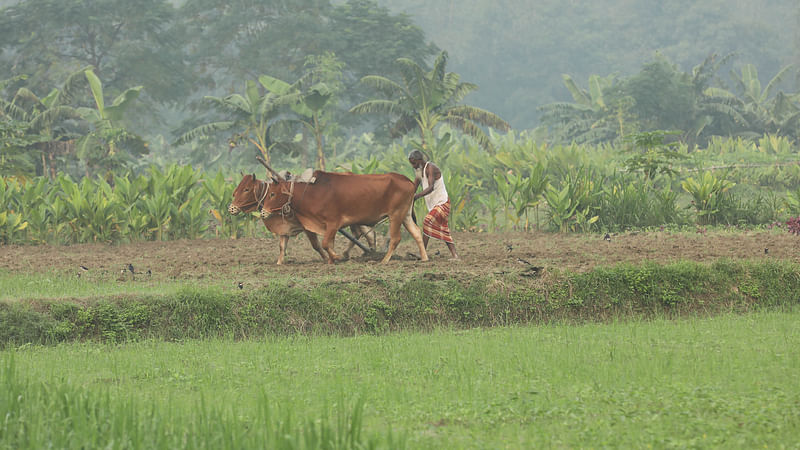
253 259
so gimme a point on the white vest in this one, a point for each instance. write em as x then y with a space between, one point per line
439 193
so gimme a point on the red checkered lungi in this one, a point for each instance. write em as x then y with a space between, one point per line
435 223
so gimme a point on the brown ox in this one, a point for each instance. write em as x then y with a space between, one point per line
249 196
335 200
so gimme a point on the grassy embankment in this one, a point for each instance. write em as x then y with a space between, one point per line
49 309
726 381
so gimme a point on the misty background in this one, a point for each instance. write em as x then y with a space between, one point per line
516 52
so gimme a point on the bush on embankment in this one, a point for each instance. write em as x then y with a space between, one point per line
421 303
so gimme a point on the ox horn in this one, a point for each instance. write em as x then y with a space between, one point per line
274 174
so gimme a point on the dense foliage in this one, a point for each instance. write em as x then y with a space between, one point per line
524 186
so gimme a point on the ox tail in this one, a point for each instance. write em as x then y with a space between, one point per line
414 215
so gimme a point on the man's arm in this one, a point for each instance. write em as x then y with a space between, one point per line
429 176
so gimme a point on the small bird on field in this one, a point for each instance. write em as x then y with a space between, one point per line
149 273
130 268
84 268
766 251
509 247
241 285
522 261
607 237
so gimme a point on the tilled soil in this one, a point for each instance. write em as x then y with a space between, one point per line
481 254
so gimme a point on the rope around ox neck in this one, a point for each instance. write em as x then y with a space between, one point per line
286 208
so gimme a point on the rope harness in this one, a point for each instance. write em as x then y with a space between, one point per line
286 208
260 202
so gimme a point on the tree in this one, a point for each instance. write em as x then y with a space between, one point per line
127 42
423 99
758 110
317 93
249 115
597 115
240 41
49 123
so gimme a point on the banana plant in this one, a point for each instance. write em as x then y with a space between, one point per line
438 149
108 145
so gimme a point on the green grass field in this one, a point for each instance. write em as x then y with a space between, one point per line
55 285
726 382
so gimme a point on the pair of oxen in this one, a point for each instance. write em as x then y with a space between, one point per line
332 201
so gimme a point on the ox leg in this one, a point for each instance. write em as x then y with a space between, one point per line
327 243
284 239
414 231
314 240
394 238
371 236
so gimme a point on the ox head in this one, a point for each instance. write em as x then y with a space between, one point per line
278 195
246 195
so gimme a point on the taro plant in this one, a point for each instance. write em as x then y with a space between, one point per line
160 210
37 196
624 203
508 186
220 193
792 202
529 194
561 207
571 207
361 167
706 194
11 227
492 205
10 196
91 212
458 192
192 218
128 193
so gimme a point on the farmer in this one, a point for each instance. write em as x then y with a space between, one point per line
435 224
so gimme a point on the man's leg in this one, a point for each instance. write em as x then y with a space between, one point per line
425 238
452 248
